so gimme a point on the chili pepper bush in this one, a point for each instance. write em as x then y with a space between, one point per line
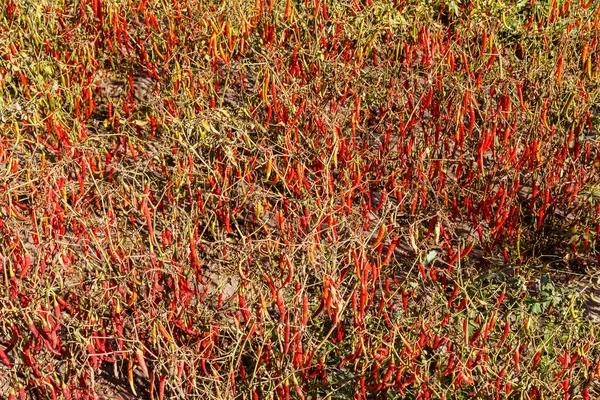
299 199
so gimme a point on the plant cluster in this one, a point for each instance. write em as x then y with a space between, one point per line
299 199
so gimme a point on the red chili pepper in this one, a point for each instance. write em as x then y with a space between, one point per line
280 304
271 285
475 336
466 251
304 311
290 274
66 391
286 390
5 358
422 270
325 16
536 360
30 361
500 298
161 387
433 274
559 68
413 206
298 354
390 250
445 320
504 335
450 366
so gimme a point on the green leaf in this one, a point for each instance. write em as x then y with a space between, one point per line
430 257
536 308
